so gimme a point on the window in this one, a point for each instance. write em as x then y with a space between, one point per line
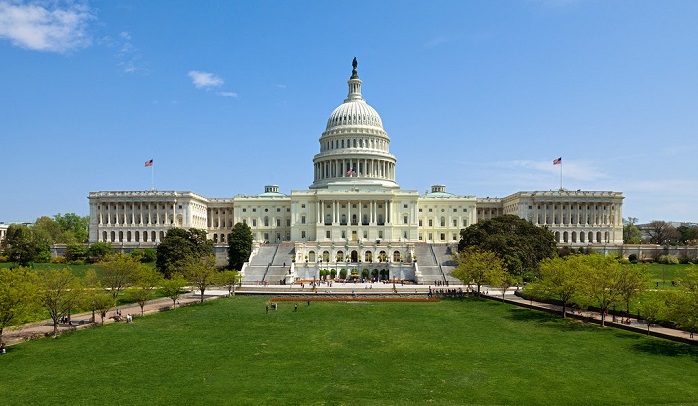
327 234
278 222
254 222
455 210
302 234
303 206
404 206
420 210
380 234
266 210
404 220
266 236
443 221
430 210
420 223
443 237
278 209
431 236
420 237
288 222
302 219
455 223
465 210
344 234
244 210
266 221
254 210
431 223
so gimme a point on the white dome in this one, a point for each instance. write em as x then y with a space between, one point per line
355 112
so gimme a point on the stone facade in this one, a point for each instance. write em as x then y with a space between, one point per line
354 210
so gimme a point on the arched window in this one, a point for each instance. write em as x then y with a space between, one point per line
340 256
326 256
443 221
343 221
311 256
368 256
266 221
396 256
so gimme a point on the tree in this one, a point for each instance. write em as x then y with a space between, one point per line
662 232
631 234
173 288
520 244
145 280
560 278
59 292
478 267
98 251
74 227
652 307
75 252
19 245
201 272
687 235
117 272
239 245
632 281
18 298
683 306
228 279
602 282
179 247
102 302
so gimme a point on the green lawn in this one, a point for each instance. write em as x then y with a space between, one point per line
229 351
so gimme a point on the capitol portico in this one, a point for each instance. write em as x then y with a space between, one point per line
354 217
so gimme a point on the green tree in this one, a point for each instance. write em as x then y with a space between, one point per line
687 234
117 272
173 288
102 302
662 232
75 252
478 267
520 244
201 272
60 291
19 245
98 251
560 278
603 281
228 279
683 306
653 308
18 298
179 247
632 282
74 227
145 281
631 234
48 226
239 245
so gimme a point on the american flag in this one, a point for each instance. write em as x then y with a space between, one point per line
149 163
557 161
351 172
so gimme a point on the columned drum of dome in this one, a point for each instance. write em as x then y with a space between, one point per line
354 148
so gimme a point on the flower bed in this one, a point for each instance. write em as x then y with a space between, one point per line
353 299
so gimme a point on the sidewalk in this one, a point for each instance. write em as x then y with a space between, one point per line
18 334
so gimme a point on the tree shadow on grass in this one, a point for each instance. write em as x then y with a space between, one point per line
551 320
666 348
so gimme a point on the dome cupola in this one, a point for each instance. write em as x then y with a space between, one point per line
354 148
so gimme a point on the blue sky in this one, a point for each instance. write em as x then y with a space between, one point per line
229 96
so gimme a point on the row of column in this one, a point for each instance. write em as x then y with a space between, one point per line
345 168
375 216
127 214
223 219
588 214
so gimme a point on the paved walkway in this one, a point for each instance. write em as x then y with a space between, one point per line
14 335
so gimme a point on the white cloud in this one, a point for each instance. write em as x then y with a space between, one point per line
204 79
228 94
42 28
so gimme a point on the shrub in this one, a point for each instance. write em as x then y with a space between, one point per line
632 258
4 258
668 259
58 260
685 260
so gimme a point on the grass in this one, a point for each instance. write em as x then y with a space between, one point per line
229 351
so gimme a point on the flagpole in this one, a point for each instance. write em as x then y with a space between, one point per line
152 176
560 175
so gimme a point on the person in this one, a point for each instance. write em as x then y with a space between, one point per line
308 302
2 348
267 309
129 318
295 307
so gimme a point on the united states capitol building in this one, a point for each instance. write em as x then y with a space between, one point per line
354 217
